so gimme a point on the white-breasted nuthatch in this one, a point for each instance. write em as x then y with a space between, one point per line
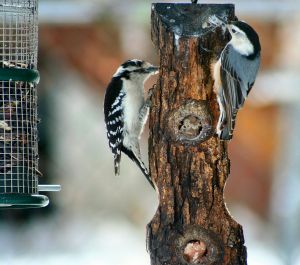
235 73
126 111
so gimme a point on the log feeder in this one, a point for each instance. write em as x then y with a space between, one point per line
188 162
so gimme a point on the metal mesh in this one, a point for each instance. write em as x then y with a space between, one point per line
18 100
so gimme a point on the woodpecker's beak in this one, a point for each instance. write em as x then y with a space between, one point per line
153 69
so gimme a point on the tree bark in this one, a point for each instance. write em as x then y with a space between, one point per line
188 163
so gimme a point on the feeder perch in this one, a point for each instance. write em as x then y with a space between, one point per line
19 187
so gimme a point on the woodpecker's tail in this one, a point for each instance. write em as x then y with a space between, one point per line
117 159
139 163
226 121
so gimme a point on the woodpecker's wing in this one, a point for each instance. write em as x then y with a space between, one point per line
238 75
113 113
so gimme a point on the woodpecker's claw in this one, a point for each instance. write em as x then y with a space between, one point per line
150 92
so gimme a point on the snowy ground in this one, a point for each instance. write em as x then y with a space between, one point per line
79 242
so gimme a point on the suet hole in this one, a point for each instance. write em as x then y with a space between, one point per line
191 123
194 251
191 126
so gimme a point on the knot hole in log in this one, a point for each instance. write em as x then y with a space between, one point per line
191 123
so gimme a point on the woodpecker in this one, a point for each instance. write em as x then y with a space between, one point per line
126 111
235 73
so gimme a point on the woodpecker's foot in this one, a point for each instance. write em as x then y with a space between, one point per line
150 92
149 96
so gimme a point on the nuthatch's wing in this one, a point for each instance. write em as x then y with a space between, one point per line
238 75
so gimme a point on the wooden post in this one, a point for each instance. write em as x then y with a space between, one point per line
188 162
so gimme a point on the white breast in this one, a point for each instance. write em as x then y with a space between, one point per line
242 45
132 103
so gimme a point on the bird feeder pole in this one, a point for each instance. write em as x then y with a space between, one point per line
188 163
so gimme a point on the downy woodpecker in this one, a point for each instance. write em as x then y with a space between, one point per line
126 111
234 74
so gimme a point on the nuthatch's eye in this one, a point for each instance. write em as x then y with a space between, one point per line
233 30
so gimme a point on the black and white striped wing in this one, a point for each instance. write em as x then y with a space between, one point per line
238 74
113 114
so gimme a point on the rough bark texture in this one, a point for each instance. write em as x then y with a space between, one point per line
188 163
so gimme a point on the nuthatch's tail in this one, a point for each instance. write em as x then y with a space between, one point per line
226 121
226 131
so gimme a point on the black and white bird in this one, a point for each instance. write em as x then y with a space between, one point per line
126 111
235 73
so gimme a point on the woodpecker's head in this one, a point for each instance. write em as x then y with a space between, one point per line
244 38
136 70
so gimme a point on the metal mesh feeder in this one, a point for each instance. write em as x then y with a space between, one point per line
19 186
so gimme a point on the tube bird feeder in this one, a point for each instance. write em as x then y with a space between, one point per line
19 77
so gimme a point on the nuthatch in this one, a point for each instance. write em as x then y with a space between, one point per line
234 74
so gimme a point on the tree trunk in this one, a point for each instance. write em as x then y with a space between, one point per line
188 163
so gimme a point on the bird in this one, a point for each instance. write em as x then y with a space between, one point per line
234 74
126 111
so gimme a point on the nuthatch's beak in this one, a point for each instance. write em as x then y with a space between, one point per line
229 28
221 21
152 69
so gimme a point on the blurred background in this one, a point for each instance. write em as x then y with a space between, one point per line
100 219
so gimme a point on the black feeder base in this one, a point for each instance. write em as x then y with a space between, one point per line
22 201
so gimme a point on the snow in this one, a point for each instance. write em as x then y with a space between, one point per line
77 242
